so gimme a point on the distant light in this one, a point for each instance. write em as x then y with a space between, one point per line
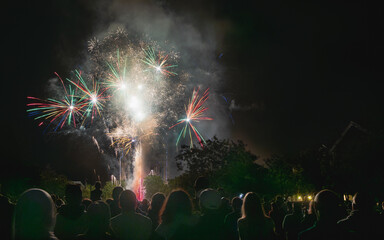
188 119
122 86
140 87
309 197
158 68
299 198
71 107
133 140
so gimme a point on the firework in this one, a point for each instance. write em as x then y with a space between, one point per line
116 76
62 111
125 143
194 113
158 62
91 99
128 70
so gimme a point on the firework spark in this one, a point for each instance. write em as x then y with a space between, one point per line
158 62
194 113
126 143
65 110
116 77
122 89
91 99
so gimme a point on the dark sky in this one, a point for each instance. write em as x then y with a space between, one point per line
299 71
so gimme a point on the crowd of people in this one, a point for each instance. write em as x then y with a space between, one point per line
208 215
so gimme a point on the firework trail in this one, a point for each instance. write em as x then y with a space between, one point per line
61 111
116 76
137 185
158 62
194 113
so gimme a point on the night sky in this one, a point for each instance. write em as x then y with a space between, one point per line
298 71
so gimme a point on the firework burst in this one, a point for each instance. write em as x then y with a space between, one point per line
123 91
158 62
126 143
116 76
62 111
91 99
194 113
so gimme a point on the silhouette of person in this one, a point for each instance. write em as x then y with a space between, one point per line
34 216
129 224
211 221
59 202
86 202
6 210
71 219
254 223
96 194
154 209
363 221
176 220
225 206
98 216
144 206
200 184
292 222
327 207
309 217
114 205
230 221
277 214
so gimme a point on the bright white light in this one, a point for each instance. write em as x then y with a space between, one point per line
94 99
188 119
134 103
158 68
299 198
140 87
139 116
71 107
122 86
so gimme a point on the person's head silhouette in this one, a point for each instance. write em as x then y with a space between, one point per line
363 201
253 207
327 206
73 194
210 200
128 201
201 183
34 216
157 201
98 215
177 205
116 192
237 203
98 185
